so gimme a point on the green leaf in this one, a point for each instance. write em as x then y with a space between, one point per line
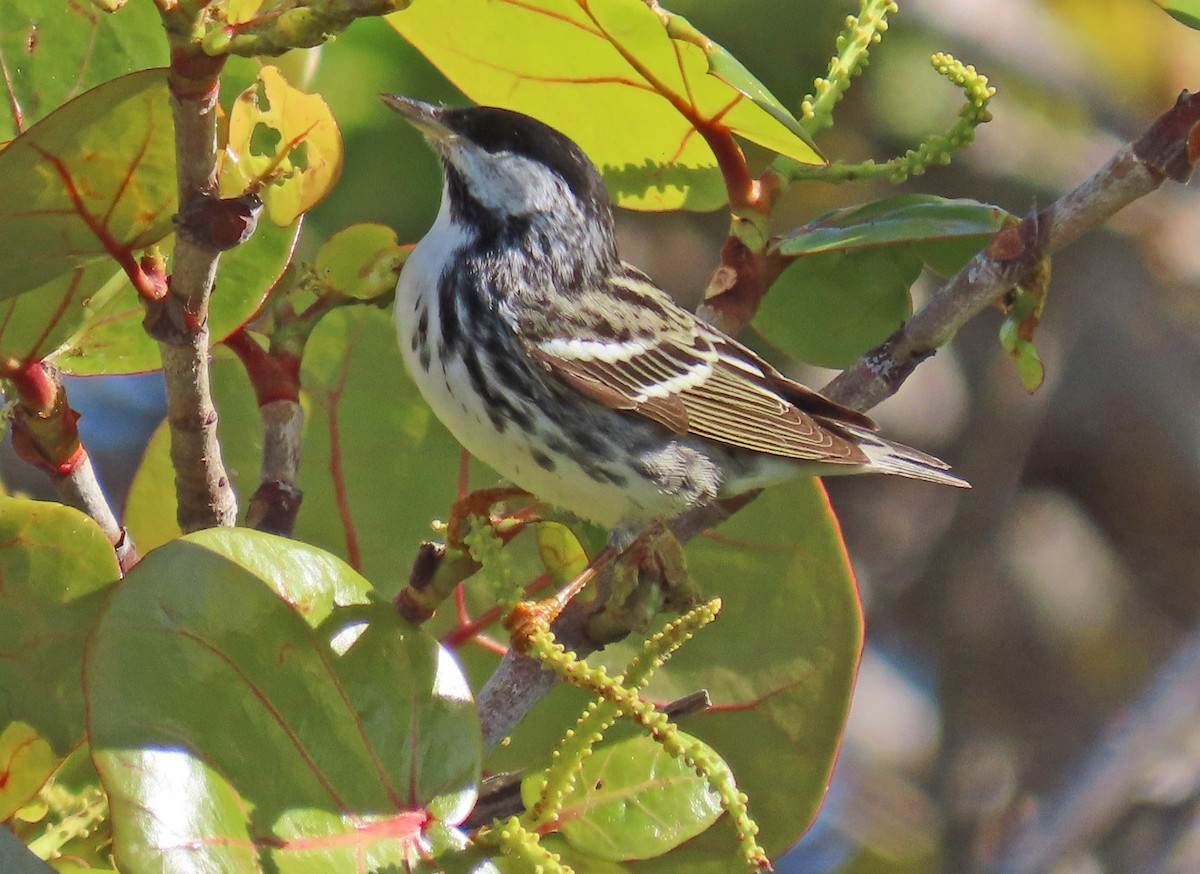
848 288
633 800
56 565
829 309
34 324
1184 11
376 468
97 176
779 664
923 219
631 86
54 51
112 339
362 261
313 729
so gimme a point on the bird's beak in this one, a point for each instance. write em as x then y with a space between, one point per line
425 117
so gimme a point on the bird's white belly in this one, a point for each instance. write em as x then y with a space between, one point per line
509 450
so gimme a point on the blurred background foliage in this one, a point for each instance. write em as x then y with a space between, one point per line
1006 627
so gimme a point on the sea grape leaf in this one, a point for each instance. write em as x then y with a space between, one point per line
847 288
785 683
97 177
56 566
112 340
631 83
312 727
284 139
34 324
1184 11
362 261
634 800
53 52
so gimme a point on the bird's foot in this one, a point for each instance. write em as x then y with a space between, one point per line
649 576
480 503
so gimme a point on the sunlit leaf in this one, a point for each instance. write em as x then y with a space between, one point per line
362 261
1184 11
907 219
53 51
630 86
34 324
312 728
633 800
55 564
112 340
97 176
286 138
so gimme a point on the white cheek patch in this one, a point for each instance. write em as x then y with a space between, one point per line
510 184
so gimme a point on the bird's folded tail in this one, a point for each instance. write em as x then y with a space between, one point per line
900 460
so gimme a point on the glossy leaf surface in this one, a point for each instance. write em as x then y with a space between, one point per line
848 288
633 800
54 51
779 663
251 705
100 176
631 86
56 566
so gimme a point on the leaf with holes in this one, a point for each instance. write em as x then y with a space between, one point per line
52 52
313 728
635 86
97 179
56 566
633 800
284 139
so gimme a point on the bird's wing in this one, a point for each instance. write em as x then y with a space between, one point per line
634 349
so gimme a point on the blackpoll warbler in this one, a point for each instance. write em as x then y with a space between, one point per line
570 372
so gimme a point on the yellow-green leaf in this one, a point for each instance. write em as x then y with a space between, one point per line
283 138
94 178
362 261
632 84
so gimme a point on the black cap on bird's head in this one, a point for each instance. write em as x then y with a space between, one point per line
456 132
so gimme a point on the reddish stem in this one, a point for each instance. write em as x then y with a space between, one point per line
275 375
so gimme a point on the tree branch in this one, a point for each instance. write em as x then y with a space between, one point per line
180 321
45 435
1167 150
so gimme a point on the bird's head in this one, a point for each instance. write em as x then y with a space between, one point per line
508 164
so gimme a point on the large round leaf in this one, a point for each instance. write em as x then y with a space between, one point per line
252 706
55 564
53 51
629 83
98 176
